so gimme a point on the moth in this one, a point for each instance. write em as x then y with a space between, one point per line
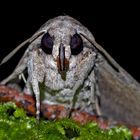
76 72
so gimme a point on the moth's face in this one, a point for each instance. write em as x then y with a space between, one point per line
64 48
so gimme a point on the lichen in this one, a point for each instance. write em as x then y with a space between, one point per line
16 125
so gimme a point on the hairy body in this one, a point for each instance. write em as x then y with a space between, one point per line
76 72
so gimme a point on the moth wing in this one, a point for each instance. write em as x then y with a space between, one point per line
119 93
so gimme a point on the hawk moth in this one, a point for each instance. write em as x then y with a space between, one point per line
76 72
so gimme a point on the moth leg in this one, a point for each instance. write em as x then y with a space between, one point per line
81 77
97 99
97 102
36 72
95 92
97 106
35 86
18 70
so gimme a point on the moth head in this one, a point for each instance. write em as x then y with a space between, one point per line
63 47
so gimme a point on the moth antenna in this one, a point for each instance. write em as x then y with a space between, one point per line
29 40
104 52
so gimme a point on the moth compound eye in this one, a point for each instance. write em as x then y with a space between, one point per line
47 43
76 44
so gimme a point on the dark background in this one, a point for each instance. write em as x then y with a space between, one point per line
114 26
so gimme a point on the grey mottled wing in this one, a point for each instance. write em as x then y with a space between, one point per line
120 93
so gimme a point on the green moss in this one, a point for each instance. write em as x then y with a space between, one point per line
15 125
